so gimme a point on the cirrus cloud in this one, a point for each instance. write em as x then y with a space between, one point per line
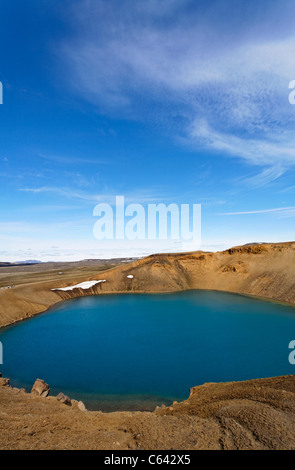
219 82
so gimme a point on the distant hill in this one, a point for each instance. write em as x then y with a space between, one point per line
28 261
17 263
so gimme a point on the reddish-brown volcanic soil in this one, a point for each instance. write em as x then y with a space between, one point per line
257 414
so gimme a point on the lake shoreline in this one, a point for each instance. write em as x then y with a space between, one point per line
218 416
110 327
263 272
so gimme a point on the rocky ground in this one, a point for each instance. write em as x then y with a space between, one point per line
257 414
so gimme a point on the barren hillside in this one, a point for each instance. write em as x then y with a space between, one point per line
266 270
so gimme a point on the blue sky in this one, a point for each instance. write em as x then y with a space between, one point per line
180 101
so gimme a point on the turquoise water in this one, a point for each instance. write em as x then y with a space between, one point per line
136 351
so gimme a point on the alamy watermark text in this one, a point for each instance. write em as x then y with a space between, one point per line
156 221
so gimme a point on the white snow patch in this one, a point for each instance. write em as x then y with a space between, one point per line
82 285
130 276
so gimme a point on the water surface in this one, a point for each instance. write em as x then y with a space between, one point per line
136 351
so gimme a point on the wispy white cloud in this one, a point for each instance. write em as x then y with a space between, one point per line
228 90
72 160
279 212
275 150
34 228
134 196
266 177
69 193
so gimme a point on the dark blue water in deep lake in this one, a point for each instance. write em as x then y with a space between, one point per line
136 351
